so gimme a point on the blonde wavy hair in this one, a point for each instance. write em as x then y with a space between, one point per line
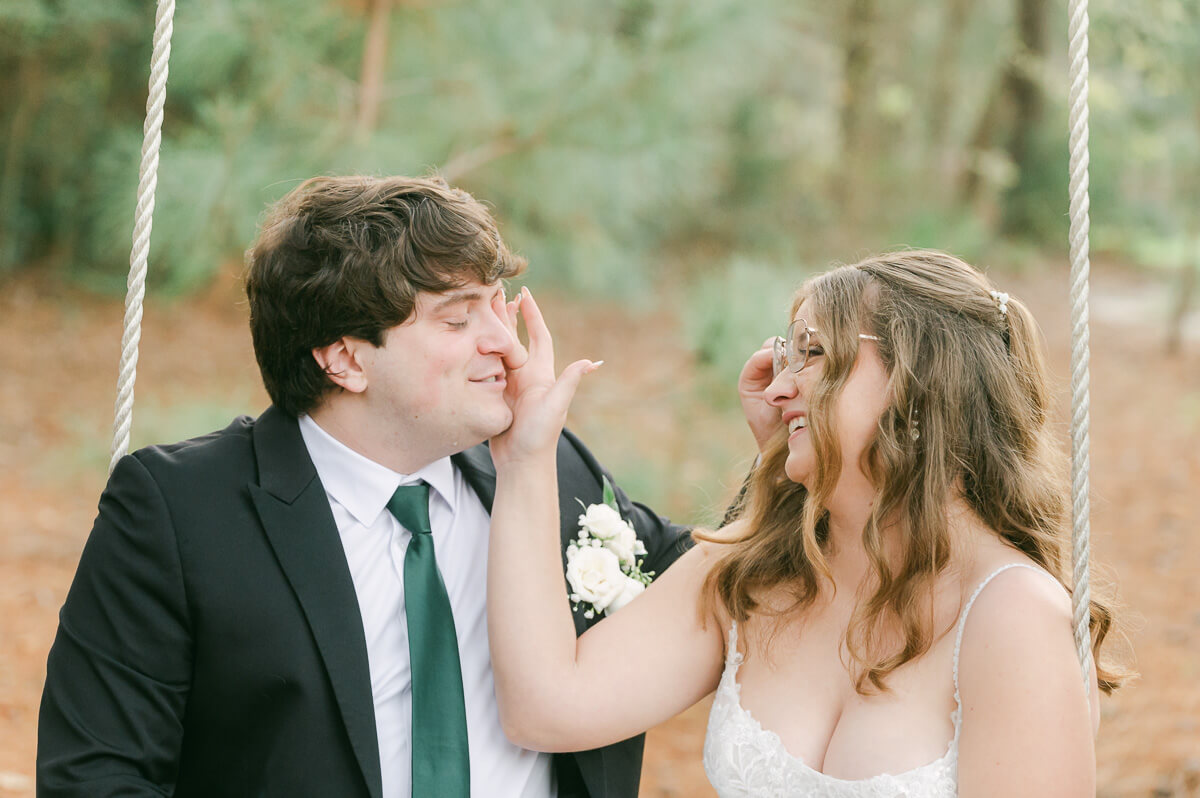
974 380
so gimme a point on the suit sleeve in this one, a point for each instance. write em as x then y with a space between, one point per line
665 541
117 678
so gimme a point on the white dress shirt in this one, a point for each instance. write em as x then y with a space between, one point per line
375 543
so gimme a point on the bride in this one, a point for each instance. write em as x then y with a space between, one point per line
890 616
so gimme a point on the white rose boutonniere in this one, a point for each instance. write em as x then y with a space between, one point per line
605 524
595 576
604 565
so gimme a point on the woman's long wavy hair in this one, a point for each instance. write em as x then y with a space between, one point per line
973 382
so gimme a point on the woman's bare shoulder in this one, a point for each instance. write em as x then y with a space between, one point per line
712 546
1018 626
1009 587
1021 689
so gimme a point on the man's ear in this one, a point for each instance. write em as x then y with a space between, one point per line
342 362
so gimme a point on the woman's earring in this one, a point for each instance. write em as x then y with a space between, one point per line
915 429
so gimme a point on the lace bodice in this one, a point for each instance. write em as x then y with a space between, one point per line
742 759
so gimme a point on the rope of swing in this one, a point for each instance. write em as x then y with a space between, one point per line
139 255
1080 268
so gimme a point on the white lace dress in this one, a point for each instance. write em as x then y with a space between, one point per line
742 759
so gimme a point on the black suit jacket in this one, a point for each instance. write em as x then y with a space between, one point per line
211 643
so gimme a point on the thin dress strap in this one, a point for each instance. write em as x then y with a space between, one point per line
733 657
962 621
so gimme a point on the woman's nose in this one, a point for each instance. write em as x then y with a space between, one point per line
783 388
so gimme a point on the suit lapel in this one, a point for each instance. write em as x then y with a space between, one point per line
295 514
477 466
480 472
577 481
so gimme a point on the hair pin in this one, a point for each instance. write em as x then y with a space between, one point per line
1001 300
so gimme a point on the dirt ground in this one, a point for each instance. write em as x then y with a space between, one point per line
59 371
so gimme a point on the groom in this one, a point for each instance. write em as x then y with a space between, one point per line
294 605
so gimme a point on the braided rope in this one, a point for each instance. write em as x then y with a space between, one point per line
1080 268
138 257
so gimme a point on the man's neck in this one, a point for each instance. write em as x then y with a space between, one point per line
398 452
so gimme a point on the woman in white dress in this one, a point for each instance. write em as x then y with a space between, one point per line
890 616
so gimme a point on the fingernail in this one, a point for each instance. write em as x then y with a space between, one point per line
595 365
520 294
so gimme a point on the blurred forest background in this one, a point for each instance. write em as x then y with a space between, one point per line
671 168
622 141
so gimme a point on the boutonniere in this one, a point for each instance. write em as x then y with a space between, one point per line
604 565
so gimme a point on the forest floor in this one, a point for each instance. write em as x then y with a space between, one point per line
197 369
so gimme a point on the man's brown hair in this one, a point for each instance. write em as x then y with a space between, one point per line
347 256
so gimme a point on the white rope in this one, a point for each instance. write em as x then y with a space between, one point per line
147 182
1080 268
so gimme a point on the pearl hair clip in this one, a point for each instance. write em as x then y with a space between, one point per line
1001 301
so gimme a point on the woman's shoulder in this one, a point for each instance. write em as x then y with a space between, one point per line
710 549
1015 626
1017 673
1008 593
1007 584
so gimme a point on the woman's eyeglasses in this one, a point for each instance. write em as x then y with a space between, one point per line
792 353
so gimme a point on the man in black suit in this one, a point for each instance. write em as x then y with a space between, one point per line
244 619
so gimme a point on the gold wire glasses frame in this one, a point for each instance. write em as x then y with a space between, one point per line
792 353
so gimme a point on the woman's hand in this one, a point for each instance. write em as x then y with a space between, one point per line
539 402
757 374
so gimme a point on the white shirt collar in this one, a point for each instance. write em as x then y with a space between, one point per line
362 485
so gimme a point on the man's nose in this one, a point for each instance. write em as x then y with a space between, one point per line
496 337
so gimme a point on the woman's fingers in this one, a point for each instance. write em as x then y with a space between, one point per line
758 371
553 406
756 376
541 344
511 310
516 356
564 389
550 396
539 415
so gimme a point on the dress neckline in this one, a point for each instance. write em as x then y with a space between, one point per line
734 660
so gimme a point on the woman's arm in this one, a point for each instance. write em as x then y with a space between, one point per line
644 664
637 668
1027 726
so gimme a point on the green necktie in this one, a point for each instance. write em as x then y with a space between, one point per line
441 766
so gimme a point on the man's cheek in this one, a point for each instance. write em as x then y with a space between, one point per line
428 392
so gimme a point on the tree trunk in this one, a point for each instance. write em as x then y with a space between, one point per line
857 70
945 70
983 139
1025 87
1185 293
1012 113
374 63
28 79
